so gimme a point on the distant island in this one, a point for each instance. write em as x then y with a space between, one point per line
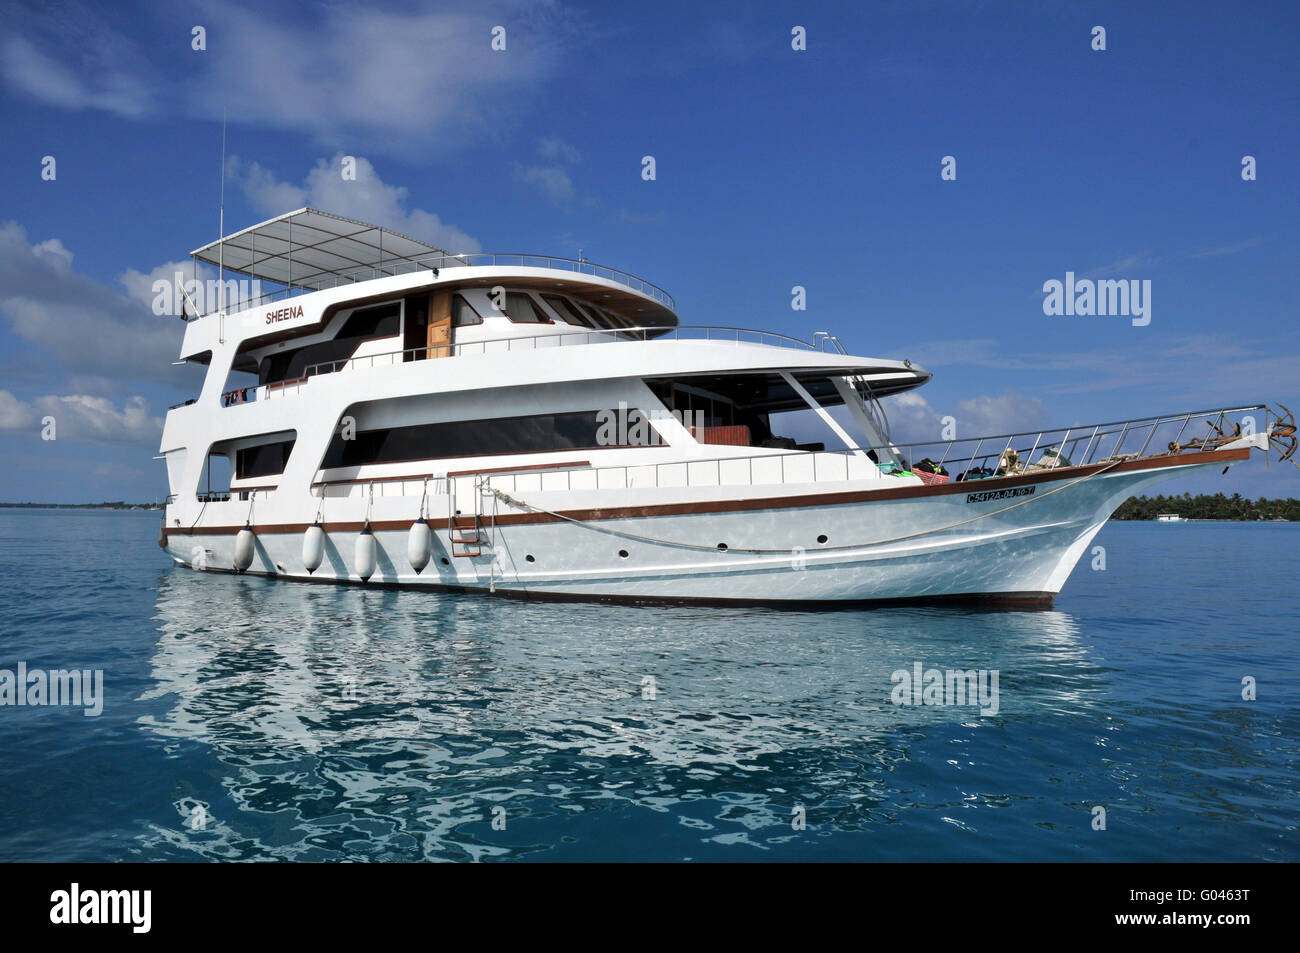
114 505
1206 507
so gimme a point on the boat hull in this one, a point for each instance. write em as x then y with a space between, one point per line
1011 541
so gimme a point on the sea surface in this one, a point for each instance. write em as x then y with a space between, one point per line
247 719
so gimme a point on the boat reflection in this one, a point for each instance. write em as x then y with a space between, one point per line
350 723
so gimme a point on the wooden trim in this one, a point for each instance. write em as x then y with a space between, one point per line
767 503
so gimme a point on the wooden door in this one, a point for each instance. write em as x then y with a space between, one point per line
439 340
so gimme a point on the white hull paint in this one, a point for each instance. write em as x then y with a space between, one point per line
1023 554
585 444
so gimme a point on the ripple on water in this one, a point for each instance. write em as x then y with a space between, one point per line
328 723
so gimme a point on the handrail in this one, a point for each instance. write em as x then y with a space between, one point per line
718 333
847 462
401 266
602 336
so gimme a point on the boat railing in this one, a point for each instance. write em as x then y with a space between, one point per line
405 266
723 335
970 459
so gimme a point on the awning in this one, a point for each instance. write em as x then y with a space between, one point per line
314 249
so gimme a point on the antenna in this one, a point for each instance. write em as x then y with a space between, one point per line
221 224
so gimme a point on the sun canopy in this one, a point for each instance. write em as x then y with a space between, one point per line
313 249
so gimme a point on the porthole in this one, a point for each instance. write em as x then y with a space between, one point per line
445 562
530 558
622 554
722 546
822 539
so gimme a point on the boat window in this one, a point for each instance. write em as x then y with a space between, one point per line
584 430
616 321
569 312
521 310
267 459
378 322
463 313
596 316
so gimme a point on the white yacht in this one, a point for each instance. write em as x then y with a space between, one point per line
392 414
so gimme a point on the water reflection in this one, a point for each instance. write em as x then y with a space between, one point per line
347 723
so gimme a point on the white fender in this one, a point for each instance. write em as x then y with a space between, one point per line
244 548
365 554
419 545
313 547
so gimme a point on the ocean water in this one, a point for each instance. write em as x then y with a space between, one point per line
245 719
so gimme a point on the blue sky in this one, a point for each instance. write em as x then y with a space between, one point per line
775 168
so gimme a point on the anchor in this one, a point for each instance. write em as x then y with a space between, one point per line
1282 435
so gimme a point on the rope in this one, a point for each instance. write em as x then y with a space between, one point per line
514 501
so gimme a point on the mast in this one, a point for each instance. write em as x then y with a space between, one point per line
221 236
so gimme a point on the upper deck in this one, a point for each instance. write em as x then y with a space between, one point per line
307 251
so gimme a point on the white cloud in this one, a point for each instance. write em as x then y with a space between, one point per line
911 418
400 80
554 182
139 284
1229 249
88 327
81 417
80 75
1125 267
552 178
367 198
14 413
550 147
1007 413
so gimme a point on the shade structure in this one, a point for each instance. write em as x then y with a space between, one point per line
312 249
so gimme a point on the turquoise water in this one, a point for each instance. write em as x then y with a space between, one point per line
253 720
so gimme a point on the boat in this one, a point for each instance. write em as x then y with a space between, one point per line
393 414
1170 518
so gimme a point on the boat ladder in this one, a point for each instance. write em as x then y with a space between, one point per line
470 540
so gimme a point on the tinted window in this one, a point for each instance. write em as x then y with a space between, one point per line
381 321
520 309
571 314
593 315
467 438
463 313
265 460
